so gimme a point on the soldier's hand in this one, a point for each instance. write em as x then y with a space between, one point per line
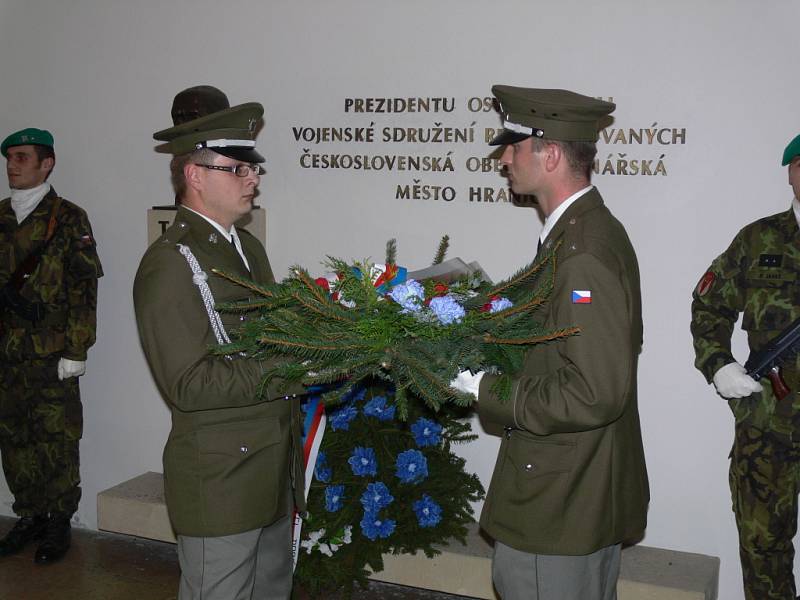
467 382
732 381
70 368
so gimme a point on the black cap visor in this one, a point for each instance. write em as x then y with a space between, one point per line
507 137
246 154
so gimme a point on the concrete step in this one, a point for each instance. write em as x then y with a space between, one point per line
136 507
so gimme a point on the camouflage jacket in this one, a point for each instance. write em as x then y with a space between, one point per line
64 282
756 276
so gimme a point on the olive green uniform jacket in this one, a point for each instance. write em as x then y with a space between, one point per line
570 477
231 456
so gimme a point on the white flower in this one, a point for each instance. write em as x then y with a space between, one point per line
325 549
376 271
313 540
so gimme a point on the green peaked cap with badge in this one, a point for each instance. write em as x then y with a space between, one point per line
31 135
230 132
549 114
792 150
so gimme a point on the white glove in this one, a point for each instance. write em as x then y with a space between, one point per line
468 382
732 381
70 368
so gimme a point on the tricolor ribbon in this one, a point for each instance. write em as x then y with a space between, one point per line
313 431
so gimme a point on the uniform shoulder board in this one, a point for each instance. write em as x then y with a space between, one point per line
176 231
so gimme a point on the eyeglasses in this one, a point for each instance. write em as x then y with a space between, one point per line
240 170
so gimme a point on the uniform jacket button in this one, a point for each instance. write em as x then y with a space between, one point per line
244 449
530 467
508 433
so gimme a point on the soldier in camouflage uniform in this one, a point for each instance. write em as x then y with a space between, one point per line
758 277
48 298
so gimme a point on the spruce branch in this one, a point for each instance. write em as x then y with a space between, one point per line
441 252
391 252
537 339
245 283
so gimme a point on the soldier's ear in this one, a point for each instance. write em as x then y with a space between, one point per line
48 163
553 156
193 175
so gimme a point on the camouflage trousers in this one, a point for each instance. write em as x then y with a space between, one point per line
41 423
765 481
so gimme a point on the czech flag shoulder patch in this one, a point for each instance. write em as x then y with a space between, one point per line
581 296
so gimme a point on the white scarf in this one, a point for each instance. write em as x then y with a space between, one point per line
25 201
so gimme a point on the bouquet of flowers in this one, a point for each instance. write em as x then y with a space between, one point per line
381 485
369 323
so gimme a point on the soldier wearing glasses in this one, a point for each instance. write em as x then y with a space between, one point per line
229 462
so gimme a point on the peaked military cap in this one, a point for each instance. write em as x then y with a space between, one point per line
549 114
792 150
31 135
197 101
230 132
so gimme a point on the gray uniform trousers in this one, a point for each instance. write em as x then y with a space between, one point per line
523 576
254 565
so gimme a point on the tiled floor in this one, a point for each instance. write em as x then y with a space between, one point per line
102 566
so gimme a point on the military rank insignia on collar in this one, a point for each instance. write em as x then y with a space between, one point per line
581 296
770 260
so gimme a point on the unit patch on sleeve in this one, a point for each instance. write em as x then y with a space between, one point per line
705 283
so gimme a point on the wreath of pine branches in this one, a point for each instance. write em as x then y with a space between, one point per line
371 339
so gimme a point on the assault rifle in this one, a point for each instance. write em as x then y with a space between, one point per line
767 361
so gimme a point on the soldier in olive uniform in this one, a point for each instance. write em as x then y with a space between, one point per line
570 483
48 301
758 276
231 460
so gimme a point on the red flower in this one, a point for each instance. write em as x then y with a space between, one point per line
488 306
441 289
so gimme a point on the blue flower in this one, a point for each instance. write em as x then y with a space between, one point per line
321 470
363 462
354 394
426 432
377 408
447 310
428 512
333 497
412 467
409 295
375 527
376 497
498 304
340 419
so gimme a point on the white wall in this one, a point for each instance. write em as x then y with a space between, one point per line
101 74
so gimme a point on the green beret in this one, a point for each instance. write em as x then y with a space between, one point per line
31 135
792 150
230 132
549 114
